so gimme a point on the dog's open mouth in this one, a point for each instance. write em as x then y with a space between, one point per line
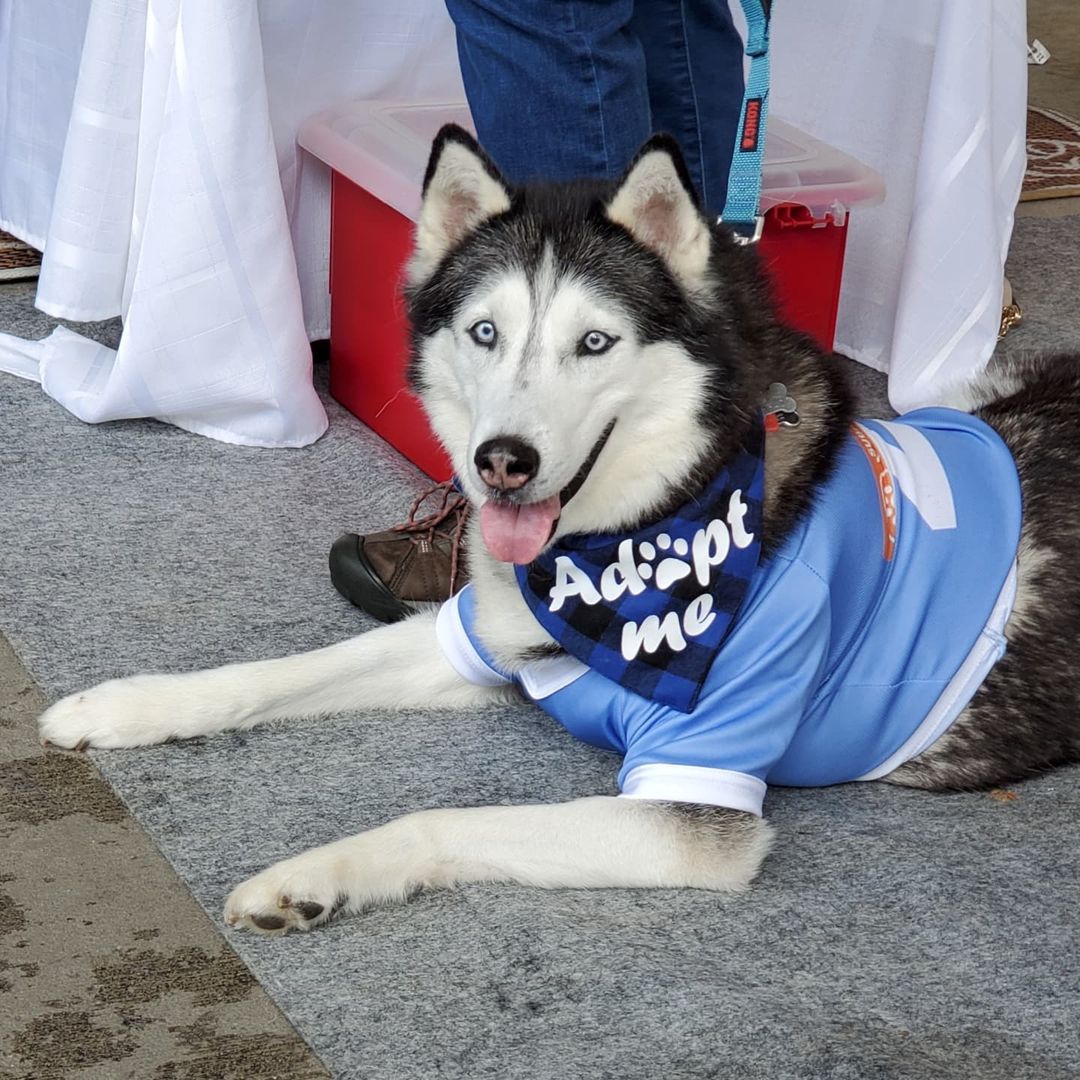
518 532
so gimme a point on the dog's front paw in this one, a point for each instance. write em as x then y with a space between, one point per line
139 711
381 866
298 894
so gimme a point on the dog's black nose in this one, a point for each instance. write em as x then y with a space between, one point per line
506 463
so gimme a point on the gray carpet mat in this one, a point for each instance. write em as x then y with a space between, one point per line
892 933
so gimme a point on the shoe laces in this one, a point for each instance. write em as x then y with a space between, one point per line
448 503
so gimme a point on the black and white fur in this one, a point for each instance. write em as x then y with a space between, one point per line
694 347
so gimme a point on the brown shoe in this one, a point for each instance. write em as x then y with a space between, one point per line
418 561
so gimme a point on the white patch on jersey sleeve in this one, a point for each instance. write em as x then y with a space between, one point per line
542 678
920 474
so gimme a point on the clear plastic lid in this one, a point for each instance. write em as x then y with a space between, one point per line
384 146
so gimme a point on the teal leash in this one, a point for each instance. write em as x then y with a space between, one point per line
744 180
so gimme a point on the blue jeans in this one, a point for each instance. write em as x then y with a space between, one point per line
571 88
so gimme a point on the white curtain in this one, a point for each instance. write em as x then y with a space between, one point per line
933 95
166 205
168 186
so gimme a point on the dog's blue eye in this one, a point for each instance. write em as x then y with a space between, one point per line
483 333
595 342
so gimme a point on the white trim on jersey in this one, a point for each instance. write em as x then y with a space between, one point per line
988 649
695 784
459 649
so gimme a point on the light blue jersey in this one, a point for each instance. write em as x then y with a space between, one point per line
857 644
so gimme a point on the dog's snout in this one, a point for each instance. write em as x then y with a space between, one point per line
506 463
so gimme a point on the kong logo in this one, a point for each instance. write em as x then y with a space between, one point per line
751 126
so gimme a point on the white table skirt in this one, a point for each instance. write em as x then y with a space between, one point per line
146 157
932 94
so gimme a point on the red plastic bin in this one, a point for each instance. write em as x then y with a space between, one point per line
378 151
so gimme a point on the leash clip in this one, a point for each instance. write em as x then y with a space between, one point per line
742 238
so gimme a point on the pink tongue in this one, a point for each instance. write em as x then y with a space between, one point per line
518 534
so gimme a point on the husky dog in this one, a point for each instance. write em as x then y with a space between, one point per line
592 356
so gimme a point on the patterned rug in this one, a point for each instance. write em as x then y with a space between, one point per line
108 969
1053 148
18 261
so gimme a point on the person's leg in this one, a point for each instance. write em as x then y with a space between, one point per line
694 69
556 90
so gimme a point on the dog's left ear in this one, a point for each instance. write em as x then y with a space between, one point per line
655 202
462 190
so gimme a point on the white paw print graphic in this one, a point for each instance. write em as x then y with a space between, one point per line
668 570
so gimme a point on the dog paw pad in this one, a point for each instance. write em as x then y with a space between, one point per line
268 922
308 909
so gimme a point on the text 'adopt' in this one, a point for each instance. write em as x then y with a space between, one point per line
708 548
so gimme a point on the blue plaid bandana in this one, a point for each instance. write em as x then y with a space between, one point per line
650 611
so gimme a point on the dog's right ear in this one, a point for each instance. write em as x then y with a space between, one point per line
462 190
